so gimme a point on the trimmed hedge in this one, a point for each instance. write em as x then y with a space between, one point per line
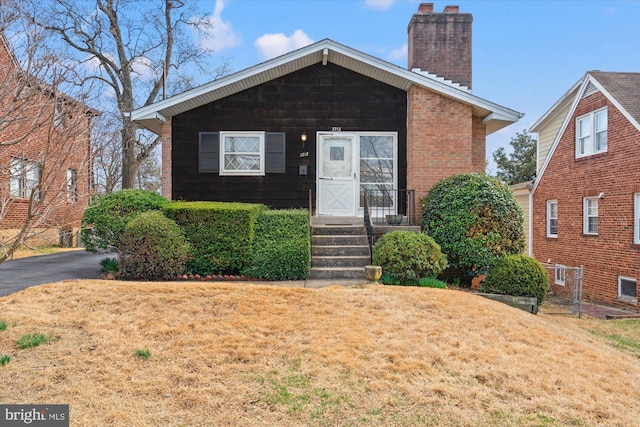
519 276
409 256
152 247
105 218
476 220
220 234
282 246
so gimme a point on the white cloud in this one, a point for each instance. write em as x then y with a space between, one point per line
220 34
379 4
272 45
402 53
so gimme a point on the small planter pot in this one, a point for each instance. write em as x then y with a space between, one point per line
373 273
394 219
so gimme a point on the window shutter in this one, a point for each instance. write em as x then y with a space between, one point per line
275 152
209 152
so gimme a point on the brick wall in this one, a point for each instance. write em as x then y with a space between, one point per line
442 140
56 149
166 159
441 43
616 174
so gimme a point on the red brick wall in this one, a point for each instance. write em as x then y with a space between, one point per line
440 43
166 159
442 140
54 148
567 179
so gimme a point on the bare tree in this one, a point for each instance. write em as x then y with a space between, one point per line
107 154
134 47
44 137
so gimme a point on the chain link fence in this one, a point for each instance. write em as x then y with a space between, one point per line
565 290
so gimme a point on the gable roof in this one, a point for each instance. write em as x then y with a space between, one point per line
621 89
152 116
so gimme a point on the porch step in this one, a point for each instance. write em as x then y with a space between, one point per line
329 273
340 261
339 240
346 250
339 248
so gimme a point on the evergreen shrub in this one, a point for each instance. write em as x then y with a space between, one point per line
282 246
517 275
152 247
106 216
220 234
408 256
476 220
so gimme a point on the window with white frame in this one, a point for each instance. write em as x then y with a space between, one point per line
552 218
72 185
627 289
560 274
25 176
591 133
590 211
242 153
636 219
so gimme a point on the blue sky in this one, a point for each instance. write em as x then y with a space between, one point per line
526 54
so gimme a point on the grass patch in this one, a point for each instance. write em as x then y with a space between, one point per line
3 325
143 354
32 340
4 359
245 354
622 334
109 265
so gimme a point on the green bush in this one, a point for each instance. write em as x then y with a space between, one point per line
282 247
476 220
220 234
424 282
105 218
517 275
152 247
408 256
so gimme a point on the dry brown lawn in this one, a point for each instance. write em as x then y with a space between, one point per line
237 354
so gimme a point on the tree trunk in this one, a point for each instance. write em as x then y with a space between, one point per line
129 160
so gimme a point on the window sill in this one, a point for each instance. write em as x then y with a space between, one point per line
555 237
589 235
628 300
591 156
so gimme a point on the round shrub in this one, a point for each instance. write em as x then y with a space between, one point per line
517 275
409 256
105 218
152 247
475 219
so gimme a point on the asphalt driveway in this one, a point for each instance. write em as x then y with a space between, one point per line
22 273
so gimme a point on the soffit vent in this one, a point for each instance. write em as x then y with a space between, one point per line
589 90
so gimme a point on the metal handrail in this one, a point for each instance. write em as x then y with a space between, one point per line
384 202
368 225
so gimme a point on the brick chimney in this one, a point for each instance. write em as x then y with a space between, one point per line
440 43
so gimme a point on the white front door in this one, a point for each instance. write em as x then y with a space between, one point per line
336 175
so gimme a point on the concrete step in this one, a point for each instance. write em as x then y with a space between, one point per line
342 261
351 240
322 273
347 250
336 230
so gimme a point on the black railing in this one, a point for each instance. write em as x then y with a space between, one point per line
390 206
368 225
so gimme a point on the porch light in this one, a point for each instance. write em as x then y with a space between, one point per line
303 137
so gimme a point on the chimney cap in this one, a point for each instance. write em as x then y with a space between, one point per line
425 8
451 9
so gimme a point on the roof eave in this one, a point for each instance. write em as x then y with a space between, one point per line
495 116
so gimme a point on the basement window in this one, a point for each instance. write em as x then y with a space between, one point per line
627 289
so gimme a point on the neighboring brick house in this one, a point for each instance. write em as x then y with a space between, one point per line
586 197
333 122
45 152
